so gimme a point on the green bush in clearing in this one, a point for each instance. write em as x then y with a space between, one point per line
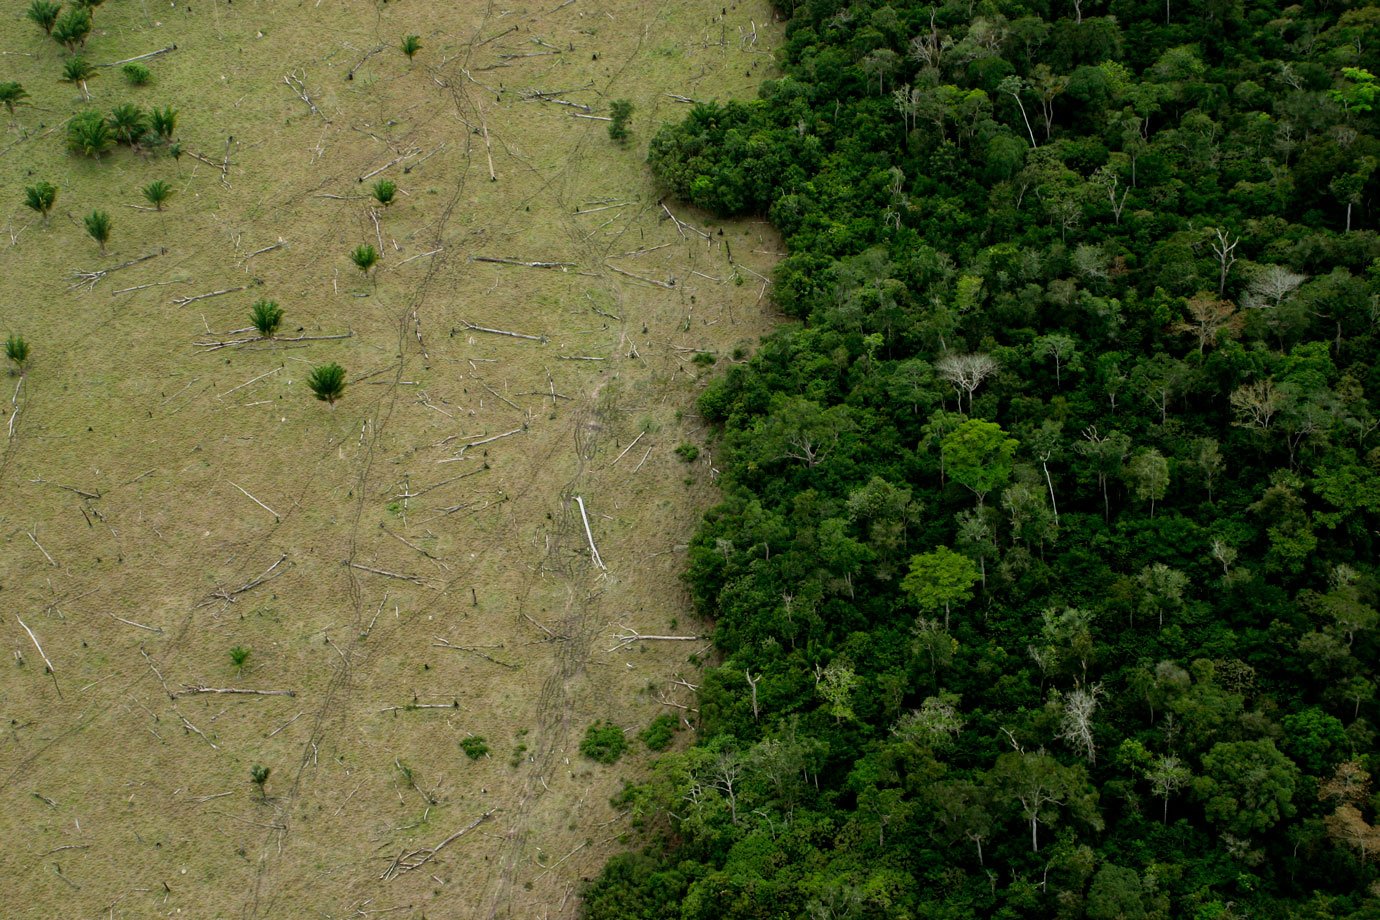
604 742
658 735
474 747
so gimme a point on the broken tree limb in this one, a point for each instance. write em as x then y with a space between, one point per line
297 82
590 117
141 57
35 542
91 278
628 448
41 653
152 629
475 650
561 265
407 862
412 152
419 255
682 226
593 550
183 301
627 636
269 574
415 579
258 252
277 518
515 335
190 690
663 284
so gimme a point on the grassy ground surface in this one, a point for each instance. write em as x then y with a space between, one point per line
162 502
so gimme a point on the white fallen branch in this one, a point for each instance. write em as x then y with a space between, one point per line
406 862
627 636
593 550
191 689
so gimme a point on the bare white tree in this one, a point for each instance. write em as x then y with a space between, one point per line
1075 725
965 373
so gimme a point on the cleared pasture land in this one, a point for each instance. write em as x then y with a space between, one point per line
410 568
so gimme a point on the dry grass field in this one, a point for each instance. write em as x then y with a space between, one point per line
409 568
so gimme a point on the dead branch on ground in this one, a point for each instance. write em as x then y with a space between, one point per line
407 862
627 636
141 57
193 689
297 82
92 278
515 335
560 265
475 650
228 597
415 579
183 301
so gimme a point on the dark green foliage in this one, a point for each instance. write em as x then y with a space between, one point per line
384 191
258 775
43 13
136 74
163 122
72 28
365 257
128 123
327 382
89 135
239 656
688 452
1085 359
603 742
77 70
17 351
157 193
97 224
474 747
659 735
620 110
411 44
41 198
265 316
11 95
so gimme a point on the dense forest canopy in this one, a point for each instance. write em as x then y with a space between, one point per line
1045 576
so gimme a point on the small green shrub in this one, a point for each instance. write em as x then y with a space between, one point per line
266 316
98 225
44 14
688 452
365 257
128 123
327 381
658 735
258 775
604 742
620 110
704 358
384 191
137 74
17 350
89 135
11 94
164 123
411 44
157 192
41 198
474 747
239 655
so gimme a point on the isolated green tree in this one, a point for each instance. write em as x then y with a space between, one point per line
157 192
89 135
239 656
43 13
384 191
77 70
72 28
258 775
11 95
266 316
978 455
620 110
939 579
41 198
98 225
411 44
365 257
327 381
17 351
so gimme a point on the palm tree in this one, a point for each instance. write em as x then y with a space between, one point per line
411 44
77 70
258 775
40 198
266 316
327 381
17 350
98 225
88 134
44 13
365 257
72 28
129 123
384 191
163 121
11 94
157 192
